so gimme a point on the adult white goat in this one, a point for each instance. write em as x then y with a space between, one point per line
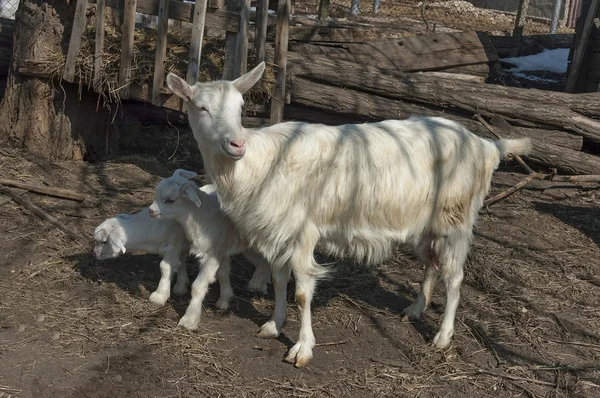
213 239
139 232
356 189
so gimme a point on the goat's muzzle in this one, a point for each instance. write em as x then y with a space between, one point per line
235 148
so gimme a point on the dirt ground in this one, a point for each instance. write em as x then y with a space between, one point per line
527 325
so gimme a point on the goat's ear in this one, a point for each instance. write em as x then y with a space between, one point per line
184 173
245 82
119 243
180 87
190 191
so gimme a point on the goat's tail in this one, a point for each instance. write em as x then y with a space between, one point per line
519 146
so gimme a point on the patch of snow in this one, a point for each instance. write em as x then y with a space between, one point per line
534 78
550 60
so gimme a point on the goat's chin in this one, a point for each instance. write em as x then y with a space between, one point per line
232 155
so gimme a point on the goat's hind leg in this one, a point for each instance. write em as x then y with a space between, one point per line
452 252
183 280
272 328
225 292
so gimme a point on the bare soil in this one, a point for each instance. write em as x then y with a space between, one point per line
527 325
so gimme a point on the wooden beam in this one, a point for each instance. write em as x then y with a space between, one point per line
99 45
281 50
178 10
260 38
581 46
196 42
161 51
79 21
241 64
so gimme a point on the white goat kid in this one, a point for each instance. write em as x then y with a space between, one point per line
140 232
213 239
355 189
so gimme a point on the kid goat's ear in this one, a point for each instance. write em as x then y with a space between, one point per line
190 191
180 87
184 173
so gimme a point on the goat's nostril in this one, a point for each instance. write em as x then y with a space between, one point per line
237 143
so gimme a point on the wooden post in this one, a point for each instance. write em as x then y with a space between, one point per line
281 47
161 51
241 64
99 45
127 48
323 11
196 41
79 21
581 46
520 19
260 36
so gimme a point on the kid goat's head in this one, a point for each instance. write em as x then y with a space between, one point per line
174 195
215 111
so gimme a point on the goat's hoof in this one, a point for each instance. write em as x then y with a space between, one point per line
158 298
268 331
180 289
189 322
222 304
300 355
411 313
442 340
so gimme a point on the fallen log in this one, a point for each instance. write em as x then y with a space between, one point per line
362 106
527 108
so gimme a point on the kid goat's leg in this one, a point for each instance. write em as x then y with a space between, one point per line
206 276
272 328
168 265
183 280
226 292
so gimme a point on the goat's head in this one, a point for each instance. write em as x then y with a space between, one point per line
109 239
215 111
174 195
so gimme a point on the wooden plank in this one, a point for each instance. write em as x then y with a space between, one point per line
418 53
79 22
281 50
178 10
127 48
99 45
260 38
196 42
161 51
581 47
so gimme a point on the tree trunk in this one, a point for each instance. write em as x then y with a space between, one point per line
351 104
47 117
527 108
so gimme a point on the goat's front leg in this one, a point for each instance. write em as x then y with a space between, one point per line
226 292
206 276
168 265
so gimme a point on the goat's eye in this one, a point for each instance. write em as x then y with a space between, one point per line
104 242
202 108
169 201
